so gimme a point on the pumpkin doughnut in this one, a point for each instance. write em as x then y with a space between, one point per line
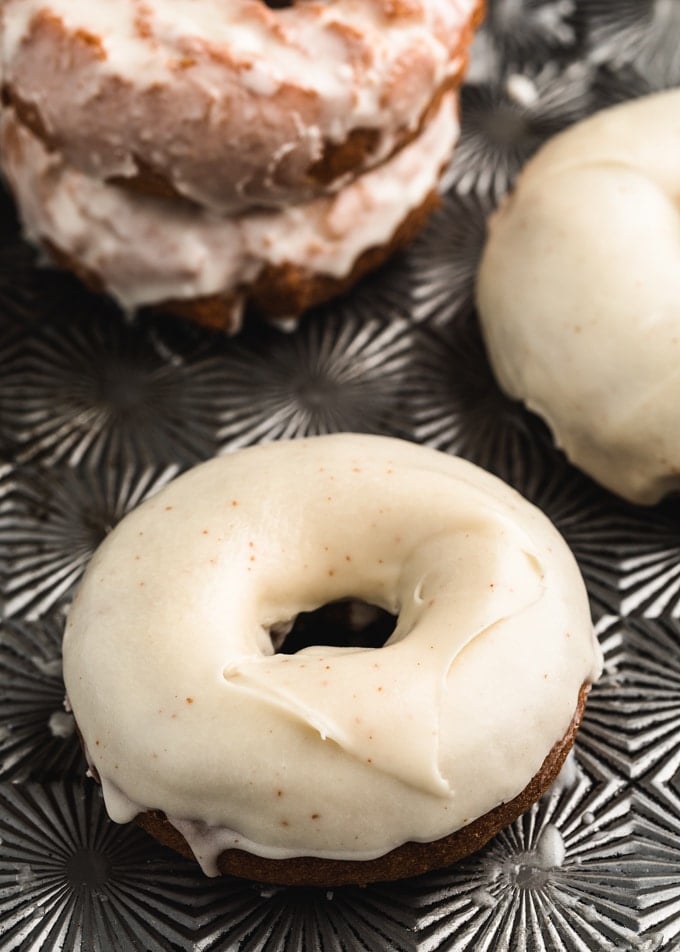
227 102
160 252
579 292
332 764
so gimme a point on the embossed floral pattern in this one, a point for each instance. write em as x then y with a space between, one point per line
339 371
520 32
55 519
505 120
642 34
93 388
70 879
37 735
97 413
548 882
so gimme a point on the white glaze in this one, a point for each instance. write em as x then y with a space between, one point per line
146 251
333 752
578 294
265 89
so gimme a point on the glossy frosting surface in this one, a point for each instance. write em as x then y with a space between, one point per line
578 294
184 706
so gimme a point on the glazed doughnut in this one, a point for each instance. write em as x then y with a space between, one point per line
154 251
230 104
334 764
578 294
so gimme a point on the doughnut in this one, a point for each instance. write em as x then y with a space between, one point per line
230 104
150 251
204 157
578 294
333 764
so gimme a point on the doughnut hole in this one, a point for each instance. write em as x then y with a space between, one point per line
349 623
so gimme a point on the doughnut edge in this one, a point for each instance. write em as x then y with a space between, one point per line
410 859
278 292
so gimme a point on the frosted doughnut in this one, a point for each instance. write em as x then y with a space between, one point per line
579 292
228 102
153 251
332 762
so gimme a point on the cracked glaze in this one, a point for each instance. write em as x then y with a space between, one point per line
129 87
148 251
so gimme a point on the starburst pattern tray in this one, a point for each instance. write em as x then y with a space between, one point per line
97 412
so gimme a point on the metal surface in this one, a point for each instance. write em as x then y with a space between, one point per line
96 413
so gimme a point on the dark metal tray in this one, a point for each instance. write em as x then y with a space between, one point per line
96 413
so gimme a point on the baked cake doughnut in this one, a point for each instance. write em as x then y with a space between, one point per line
334 764
230 104
579 292
153 251
198 155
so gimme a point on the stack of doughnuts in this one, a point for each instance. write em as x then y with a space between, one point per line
204 154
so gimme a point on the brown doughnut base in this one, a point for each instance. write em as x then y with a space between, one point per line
282 292
411 859
289 290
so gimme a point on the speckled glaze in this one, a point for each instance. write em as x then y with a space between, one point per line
453 716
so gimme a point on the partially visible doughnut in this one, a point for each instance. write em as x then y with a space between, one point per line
161 252
230 104
579 294
335 764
